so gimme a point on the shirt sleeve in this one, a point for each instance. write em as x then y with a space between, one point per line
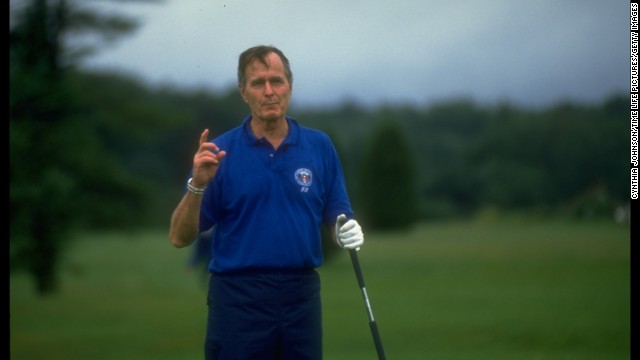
337 199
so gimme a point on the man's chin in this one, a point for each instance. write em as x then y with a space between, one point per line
271 116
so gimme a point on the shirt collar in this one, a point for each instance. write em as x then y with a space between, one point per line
291 139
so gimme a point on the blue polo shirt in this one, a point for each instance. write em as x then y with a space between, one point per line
268 205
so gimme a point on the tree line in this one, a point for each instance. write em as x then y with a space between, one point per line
569 159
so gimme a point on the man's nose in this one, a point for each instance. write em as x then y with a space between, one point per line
267 88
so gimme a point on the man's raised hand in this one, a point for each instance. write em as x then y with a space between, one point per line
206 161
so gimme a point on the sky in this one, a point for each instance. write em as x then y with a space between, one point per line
529 53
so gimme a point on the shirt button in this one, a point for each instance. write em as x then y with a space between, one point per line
270 155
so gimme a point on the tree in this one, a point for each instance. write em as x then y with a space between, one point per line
57 163
387 191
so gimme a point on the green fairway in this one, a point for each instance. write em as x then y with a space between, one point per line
548 290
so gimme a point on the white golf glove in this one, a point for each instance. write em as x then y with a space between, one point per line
348 233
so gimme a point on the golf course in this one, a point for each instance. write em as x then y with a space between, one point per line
472 290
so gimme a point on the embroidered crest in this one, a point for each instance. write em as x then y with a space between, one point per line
304 177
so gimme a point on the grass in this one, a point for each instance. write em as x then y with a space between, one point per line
516 290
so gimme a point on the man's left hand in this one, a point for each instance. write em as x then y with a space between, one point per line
349 233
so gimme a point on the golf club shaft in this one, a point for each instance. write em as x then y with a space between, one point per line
372 322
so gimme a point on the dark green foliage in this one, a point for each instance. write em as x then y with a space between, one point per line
387 190
550 159
60 173
443 137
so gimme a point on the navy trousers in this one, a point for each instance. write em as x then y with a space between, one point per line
270 315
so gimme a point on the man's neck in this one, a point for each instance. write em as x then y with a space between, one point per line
275 131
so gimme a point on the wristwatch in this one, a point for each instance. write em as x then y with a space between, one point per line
193 189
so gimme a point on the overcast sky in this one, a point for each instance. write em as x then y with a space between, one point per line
532 53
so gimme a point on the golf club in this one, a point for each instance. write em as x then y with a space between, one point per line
372 322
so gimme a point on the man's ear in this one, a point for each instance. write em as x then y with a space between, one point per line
241 90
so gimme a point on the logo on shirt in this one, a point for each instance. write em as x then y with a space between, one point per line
304 178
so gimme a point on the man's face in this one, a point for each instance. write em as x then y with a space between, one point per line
267 90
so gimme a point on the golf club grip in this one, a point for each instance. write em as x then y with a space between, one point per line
377 341
372 323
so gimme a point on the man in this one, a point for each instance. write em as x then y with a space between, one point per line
268 186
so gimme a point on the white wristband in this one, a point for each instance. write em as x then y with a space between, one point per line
193 189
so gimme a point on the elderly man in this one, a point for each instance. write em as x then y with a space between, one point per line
268 185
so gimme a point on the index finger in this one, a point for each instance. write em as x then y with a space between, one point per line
203 136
